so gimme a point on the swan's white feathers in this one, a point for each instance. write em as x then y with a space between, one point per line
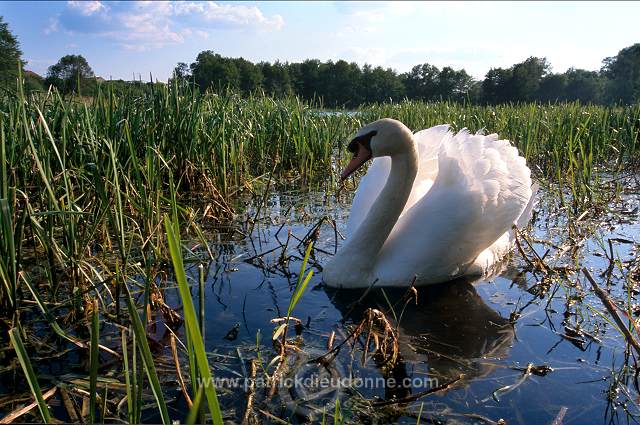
481 189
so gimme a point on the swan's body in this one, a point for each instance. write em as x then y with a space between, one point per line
433 205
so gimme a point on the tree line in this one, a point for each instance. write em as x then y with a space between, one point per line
346 84
341 83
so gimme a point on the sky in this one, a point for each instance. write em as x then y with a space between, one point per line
138 39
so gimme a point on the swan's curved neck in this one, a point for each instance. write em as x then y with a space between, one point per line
365 244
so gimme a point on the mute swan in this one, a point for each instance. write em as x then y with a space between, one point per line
433 205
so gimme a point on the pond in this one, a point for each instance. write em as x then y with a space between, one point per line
521 346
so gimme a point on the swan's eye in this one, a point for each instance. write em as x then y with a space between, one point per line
353 146
365 140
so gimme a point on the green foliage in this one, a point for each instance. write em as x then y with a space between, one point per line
344 84
552 88
583 86
623 70
421 82
10 57
379 85
276 79
525 79
78 177
520 83
210 70
8 258
72 74
303 279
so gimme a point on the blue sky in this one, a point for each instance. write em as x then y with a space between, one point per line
123 39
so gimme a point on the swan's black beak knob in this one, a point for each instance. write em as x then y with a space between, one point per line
360 146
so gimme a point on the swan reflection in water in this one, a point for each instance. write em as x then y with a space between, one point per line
448 332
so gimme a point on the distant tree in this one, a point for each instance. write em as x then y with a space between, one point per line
277 81
210 70
10 56
308 80
520 83
250 75
452 84
181 71
552 88
422 82
72 74
474 95
181 75
526 77
585 86
132 88
344 84
380 85
495 86
342 81
623 71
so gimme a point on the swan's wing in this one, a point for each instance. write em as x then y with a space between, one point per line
481 189
488 262
428 143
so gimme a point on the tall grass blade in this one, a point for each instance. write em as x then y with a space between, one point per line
195 409
302 280
32 379
94 360
141 339
191 320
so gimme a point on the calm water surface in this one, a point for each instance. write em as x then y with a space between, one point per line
489 330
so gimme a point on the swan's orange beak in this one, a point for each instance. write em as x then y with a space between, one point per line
361 156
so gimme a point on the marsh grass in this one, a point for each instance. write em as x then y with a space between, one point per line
87 188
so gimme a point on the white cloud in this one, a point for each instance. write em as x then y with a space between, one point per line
148 26
144 25
361 55
202 34
87 8
54 26
229 14
381 11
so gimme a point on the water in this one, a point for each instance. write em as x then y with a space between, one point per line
489 331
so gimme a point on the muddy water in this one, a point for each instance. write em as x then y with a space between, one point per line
530 348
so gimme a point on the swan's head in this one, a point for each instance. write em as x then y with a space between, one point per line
385 137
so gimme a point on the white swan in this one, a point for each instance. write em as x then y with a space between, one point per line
432 205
